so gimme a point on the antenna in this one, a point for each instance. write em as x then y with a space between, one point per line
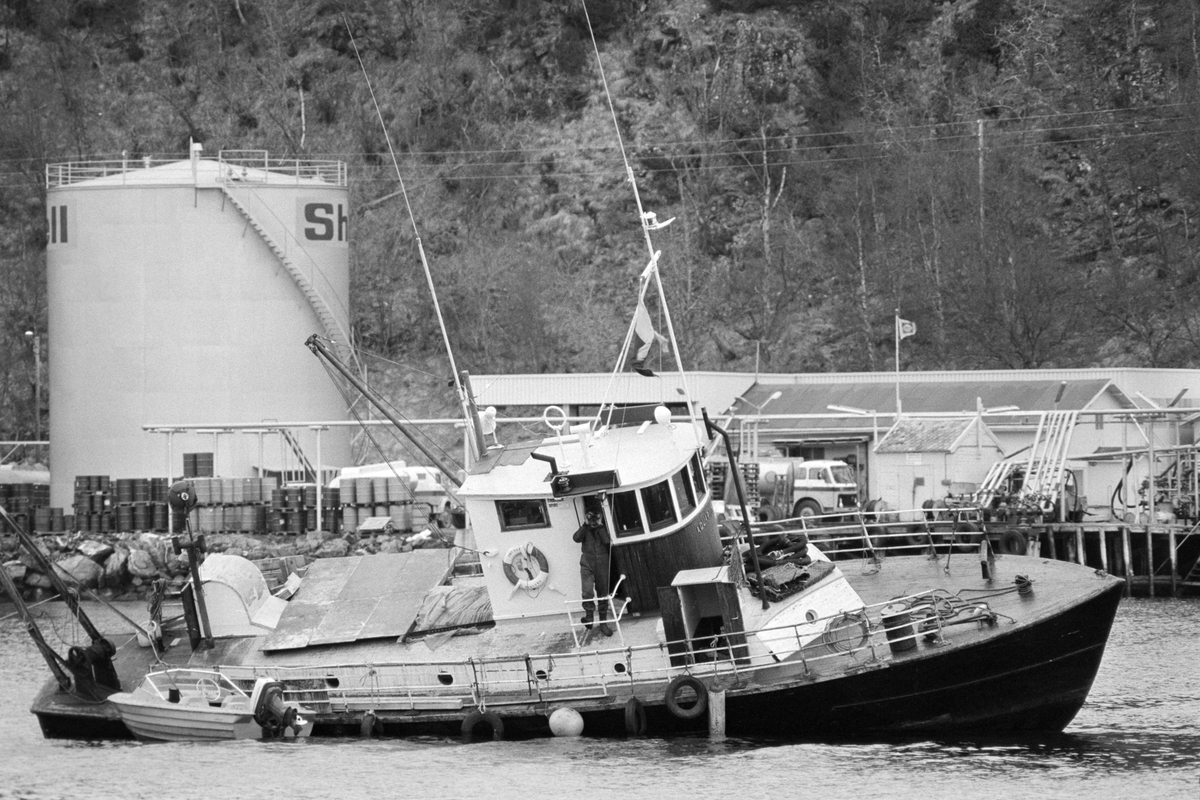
649 221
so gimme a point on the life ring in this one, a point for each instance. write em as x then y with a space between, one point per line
635 717
672 697
526 567
477 718
1014 543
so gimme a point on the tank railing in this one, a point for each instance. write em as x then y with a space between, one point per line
257 166
71 172
233 166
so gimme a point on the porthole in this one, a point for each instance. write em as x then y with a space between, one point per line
619 668
541 675
811 615
445 678
332 682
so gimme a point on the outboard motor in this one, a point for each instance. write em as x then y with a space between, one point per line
271 712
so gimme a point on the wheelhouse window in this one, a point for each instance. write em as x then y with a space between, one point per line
684 492
660 510
627 520
517 515
698 476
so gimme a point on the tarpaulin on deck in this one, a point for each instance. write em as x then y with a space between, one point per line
361 597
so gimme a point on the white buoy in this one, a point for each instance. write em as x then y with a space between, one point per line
566 722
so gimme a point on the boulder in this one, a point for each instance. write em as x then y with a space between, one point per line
96 551
334 548
116 568
25 558
80 569
37 580
16 570
141 565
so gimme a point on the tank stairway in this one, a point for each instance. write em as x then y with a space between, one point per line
333 327
290 438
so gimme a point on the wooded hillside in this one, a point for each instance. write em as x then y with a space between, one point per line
1019 178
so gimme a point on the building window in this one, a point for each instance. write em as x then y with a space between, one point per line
802 452
518 515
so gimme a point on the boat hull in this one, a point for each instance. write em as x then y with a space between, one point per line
174 723
1023 669
1030 681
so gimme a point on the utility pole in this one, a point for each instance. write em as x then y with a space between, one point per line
37 383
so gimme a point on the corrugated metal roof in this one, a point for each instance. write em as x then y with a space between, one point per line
940 397
715 391
925 435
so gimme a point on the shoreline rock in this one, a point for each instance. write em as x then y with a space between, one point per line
124 566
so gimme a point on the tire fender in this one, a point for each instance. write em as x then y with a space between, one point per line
671 697
477 718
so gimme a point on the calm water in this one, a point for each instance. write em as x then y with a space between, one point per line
1138 737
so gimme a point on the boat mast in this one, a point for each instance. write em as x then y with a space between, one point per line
649 222
464 400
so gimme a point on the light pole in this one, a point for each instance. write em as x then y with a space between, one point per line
37 383
758 408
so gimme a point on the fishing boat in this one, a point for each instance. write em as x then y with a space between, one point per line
191 705
727 629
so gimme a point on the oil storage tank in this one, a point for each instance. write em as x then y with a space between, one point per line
181 293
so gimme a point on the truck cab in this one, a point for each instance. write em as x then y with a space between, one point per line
794 488
785 488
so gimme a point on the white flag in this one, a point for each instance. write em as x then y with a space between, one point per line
905 329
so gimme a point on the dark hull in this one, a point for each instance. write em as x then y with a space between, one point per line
63 716
1026 676
1033 680
1030 682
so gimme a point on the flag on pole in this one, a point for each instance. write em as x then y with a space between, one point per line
644 337
904 328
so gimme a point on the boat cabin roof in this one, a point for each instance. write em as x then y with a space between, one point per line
638 454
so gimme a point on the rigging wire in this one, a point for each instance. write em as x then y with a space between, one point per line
367 431
462 395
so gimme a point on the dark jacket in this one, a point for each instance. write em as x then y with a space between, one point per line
595 542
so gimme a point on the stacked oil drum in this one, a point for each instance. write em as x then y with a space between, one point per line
294 509
94 504
363 498
140 504
29 506
231 505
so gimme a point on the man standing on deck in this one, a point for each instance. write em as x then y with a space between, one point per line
593 563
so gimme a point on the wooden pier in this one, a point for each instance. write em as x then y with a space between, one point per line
1154 560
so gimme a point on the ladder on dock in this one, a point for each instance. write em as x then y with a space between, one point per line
1048 457
1043 469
